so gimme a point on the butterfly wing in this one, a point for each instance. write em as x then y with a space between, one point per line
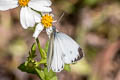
66 51
50 51
57 62
71 51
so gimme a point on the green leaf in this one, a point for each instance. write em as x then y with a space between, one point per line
40 73
22 67
27 69
67 67
42 52
42 61
46 46
49 75
54 78
32 52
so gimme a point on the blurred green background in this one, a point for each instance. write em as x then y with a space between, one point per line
94 24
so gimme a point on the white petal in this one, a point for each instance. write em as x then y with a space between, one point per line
38 7
38 29
26 17
49 31
41 2
37 16
8 4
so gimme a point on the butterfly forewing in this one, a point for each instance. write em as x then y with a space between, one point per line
57 62
50 51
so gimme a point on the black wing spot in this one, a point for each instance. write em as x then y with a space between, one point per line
81 54
62 66
75 59
72 61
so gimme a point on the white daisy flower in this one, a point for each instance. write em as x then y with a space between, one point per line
28 16
45 22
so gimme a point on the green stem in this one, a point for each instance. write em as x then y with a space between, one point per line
41 14
38 12
42 61
40 49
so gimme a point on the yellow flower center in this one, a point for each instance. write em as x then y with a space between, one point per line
47 20
23 3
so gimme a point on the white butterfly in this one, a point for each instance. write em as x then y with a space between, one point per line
62 50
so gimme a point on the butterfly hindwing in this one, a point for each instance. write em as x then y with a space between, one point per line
57 62
50 51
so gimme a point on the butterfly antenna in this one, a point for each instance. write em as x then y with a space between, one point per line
60 18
